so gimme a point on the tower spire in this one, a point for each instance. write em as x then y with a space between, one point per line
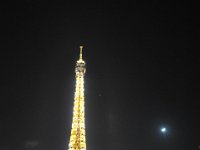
81 51
78 136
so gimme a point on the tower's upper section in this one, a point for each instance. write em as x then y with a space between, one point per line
80 64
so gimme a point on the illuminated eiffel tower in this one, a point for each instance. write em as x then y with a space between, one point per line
78 137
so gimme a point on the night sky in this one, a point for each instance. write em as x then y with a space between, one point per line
142 66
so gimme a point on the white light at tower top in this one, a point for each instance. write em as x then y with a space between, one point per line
163 129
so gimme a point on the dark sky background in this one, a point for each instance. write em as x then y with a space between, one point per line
142 66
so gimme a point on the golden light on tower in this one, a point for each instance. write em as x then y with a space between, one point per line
78 137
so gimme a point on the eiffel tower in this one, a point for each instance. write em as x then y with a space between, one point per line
78 137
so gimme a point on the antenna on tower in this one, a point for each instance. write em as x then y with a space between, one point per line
81 51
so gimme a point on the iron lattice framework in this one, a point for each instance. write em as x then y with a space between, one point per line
78 137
